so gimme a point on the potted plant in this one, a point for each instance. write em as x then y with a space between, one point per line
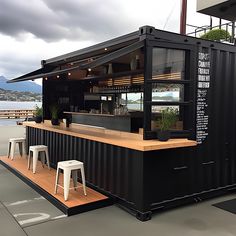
54 109
168 119
38 114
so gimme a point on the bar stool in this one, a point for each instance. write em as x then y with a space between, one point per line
12 146
69 167
37 150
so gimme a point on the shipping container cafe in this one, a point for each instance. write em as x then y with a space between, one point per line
110 97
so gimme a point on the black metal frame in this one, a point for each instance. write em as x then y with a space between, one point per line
188 82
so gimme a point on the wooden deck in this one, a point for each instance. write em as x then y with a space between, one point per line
43 182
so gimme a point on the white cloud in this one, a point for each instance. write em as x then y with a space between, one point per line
48 28
19 57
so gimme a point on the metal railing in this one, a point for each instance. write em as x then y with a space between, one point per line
229 27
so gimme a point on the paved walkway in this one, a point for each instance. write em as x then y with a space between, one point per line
25 212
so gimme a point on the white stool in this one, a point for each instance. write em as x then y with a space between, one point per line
12 146
68 167
38 150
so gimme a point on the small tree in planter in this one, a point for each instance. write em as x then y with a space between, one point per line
54 109
38 114
169 117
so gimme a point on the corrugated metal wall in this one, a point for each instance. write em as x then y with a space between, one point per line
115 170
217 153
211 166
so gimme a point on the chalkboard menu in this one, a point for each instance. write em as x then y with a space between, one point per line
203 85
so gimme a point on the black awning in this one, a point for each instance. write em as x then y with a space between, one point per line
111 56
42 73
50 71
32 75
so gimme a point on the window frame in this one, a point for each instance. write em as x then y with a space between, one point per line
189 89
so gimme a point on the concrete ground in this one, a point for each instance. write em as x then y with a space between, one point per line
25 212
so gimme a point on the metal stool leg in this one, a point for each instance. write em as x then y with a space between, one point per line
66 183
57 180
9 150
35 160
47 157
29 159
83 179
12 150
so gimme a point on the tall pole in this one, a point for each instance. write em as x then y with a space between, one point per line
183 17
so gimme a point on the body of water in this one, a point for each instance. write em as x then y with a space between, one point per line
5 105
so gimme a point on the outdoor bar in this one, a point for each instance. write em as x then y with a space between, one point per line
110 97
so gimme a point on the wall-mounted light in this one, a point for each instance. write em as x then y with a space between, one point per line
105 49
46 78
69 73
88 72
58 76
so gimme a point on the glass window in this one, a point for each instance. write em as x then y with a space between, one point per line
133 101
177 121
167 92
168 64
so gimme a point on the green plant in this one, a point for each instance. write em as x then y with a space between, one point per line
54 110
217 34
169 116
38 111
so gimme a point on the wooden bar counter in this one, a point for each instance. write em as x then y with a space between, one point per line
141 175
121 139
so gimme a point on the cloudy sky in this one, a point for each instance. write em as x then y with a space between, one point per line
39 29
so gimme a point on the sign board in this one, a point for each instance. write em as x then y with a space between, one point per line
203 86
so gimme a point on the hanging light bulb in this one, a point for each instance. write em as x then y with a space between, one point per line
88 72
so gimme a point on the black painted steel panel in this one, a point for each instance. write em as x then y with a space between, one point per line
112 169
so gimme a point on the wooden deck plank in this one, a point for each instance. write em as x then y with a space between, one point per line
45 179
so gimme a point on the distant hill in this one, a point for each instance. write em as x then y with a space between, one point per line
10 95
25 86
